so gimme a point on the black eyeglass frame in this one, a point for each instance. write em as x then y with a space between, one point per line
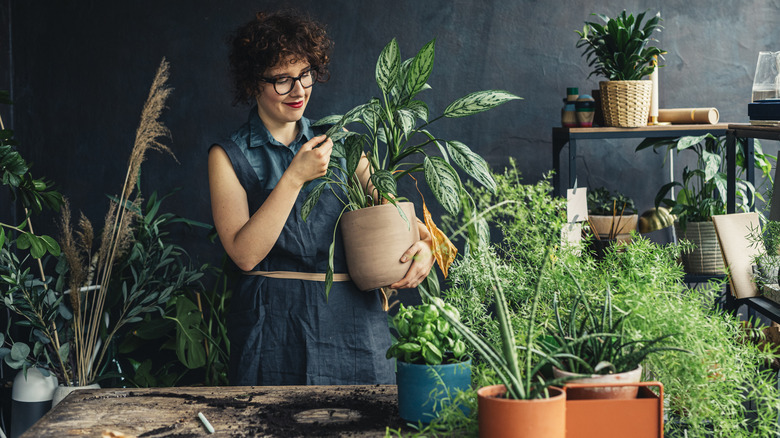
273 81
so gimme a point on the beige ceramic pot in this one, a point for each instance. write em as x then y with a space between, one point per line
500 417
375 238
606 392
621 227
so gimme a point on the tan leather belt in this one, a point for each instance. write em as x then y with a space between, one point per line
317 276
293 275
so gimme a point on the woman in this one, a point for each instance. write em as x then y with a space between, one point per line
281 327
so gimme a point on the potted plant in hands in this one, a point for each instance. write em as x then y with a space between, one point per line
431 363
599 349
619 50
365 168
702 194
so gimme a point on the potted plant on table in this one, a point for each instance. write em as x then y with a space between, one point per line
702 194
393 130
600 349
620 51
431 363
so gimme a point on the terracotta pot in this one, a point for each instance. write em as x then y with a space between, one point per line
375 238
500 417
616 392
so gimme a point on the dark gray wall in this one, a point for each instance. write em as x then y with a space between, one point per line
81 72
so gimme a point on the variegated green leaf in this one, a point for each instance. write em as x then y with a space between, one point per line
477 102
387 66
340 134
384 182
472 164
338 150
399 93
372 114
311 200
406 119
354 150
327 120
329 270
419 108
420 69
444 183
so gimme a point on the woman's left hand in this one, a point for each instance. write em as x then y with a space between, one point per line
422 261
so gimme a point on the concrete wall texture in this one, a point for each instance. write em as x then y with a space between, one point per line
79 73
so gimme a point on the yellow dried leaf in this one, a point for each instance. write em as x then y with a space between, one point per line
443 250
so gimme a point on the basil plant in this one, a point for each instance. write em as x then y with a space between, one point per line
393 133
425 337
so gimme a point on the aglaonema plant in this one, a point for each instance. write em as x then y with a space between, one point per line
393 134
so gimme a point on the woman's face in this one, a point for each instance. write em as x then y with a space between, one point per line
276 109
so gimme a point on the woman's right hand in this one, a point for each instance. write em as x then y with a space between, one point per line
312 160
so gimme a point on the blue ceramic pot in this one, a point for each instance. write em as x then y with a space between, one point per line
420 389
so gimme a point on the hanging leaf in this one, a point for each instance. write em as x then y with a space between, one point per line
388 65
406 119
311 200
477 102
189 338
443 250
353 148
420 69
472 164
444 183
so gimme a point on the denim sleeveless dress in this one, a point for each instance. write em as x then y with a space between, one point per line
285 331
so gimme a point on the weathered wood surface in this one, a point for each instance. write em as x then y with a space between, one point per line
283 411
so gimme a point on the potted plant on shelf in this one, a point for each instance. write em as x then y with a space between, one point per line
431 361
600 349
393 130
702 194
620 51
611 217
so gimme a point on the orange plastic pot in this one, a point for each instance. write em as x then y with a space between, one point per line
501 417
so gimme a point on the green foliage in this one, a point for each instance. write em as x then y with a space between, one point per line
393 134
423 335
33 195
619 49
702 191
597 342
395 129
602 202
706 391
187 344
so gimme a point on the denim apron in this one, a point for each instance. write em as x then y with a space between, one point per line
284 331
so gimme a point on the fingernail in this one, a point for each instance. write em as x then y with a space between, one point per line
404 259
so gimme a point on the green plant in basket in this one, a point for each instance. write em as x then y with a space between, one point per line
619 49
605 203
424 336
390 138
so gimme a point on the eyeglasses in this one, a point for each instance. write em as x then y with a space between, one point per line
284 84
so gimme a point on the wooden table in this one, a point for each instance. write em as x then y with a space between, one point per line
249 411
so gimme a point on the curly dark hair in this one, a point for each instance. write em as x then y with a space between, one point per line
267 40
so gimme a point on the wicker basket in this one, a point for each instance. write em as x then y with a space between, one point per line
625 104
706 258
